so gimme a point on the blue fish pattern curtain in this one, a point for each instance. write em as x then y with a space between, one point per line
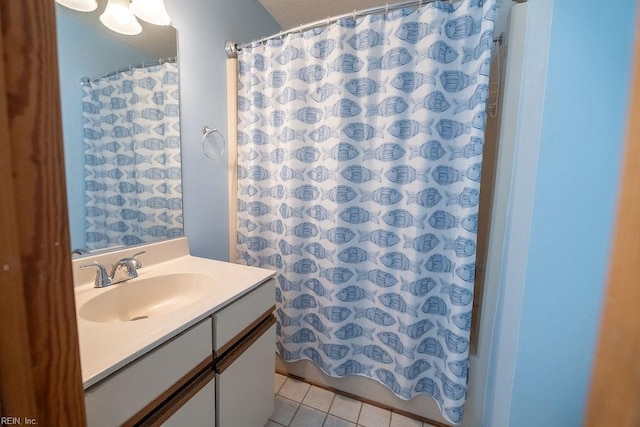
360 148
131 137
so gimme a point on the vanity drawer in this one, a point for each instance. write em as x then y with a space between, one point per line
126 392
236 320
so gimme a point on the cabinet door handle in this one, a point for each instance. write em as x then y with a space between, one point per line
226 359
165 405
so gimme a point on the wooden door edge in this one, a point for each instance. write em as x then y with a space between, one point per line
615 382
17 392
33 137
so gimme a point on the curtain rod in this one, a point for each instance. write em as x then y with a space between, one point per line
233 48
87 80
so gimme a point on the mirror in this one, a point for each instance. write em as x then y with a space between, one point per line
121 131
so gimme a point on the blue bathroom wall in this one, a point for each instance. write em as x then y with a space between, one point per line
203 27
583 132
82 52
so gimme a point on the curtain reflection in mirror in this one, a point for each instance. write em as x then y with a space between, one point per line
131 137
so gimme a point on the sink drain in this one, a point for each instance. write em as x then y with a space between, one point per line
139 318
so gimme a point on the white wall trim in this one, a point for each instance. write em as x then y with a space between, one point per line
512 281
232 154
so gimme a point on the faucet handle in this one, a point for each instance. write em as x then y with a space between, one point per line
102 278
136 263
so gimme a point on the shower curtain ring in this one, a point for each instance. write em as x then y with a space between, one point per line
354 14
386 9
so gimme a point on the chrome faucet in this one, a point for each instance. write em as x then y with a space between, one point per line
79 251
102 278
129 265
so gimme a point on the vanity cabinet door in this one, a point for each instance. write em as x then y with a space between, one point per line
244 386
198 411
244 359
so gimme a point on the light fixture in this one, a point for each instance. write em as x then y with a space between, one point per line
151 11
80 5
119 18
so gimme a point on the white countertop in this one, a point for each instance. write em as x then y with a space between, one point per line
107 347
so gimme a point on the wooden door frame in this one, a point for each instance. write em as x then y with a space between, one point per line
614 398
40 379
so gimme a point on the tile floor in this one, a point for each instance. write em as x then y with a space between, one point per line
301 404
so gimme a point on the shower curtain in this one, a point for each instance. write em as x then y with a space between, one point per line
359 153
131 137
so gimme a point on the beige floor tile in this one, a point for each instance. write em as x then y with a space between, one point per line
277 383
284 410
294 389
333 421
398 420
372 416
319 398
345 408
308 417
322 407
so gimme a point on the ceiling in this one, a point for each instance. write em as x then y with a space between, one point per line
293 13
157 41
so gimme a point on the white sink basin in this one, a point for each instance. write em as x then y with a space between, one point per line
148 297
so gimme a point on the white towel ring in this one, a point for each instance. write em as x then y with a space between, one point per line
213 150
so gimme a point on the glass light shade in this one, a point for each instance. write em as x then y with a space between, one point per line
117 17
80 5
151 11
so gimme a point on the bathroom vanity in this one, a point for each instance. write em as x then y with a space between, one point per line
199 351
